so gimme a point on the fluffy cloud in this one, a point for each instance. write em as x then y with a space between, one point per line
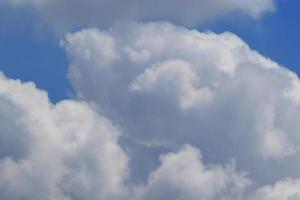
288 189
182 175
175 77
63 151
104 13
67 151
167 86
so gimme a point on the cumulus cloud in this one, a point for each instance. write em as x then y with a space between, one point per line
288 189
63 151
168 86
183 175
174 76
66 151
71 13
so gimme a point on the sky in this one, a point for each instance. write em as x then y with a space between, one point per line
149 100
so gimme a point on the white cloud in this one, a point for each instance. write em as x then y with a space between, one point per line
100 42
168 86
67 151
288 189
183 175
294 92
63 151
174 76
68 13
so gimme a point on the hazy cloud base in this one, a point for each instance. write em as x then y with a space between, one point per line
66 14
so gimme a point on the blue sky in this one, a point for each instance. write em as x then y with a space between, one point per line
33 53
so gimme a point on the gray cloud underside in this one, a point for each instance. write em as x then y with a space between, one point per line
73 13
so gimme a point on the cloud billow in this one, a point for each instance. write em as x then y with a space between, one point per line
71 152
164 80
167 86
63 151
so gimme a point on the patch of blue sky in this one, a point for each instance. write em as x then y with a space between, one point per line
29 53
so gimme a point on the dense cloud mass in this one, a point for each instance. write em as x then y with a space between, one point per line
168 86
69 13
66 151
63 151
183 176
